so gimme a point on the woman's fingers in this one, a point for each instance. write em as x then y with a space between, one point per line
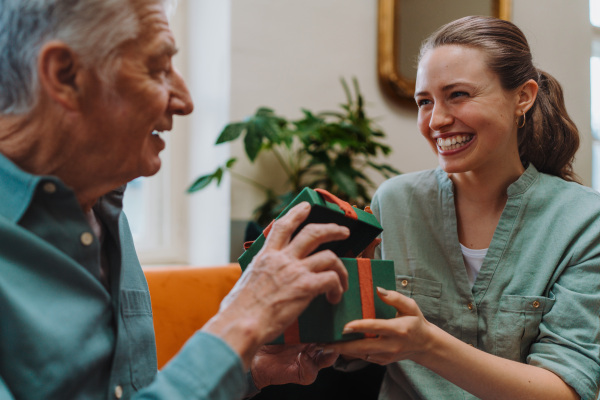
354 349
404 305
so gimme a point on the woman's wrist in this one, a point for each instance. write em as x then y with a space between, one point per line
434 346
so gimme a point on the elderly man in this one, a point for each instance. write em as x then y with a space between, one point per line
84 85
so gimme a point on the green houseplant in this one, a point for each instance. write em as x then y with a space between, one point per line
330 150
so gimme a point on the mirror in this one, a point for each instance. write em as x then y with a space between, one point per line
404 24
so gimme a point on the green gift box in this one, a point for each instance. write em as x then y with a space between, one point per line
326 208
323 322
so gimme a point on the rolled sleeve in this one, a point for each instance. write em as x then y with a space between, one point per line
569 339
205 368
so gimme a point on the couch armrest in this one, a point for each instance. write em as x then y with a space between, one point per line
183 300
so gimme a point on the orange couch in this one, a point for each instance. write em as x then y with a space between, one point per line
183 299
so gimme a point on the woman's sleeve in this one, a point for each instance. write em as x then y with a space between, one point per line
569 339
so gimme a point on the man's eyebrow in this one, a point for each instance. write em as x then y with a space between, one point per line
165 49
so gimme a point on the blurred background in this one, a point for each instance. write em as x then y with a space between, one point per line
239 55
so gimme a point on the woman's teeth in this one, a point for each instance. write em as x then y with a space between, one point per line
453 142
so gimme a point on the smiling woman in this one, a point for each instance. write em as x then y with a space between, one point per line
497 248
466 115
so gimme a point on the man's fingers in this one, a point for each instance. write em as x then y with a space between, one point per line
327 260
327 282
283 228
313 235
325 360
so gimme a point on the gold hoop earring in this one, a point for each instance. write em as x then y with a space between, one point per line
521 124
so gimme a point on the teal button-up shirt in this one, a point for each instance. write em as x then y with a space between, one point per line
63 334
536 299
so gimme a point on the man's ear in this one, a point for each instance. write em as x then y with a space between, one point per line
59 72
526 96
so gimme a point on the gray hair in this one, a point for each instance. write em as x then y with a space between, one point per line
95 29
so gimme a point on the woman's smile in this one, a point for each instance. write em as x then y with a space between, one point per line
453 144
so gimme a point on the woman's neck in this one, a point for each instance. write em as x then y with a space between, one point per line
479 200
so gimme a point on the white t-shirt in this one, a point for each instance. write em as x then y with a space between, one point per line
473 261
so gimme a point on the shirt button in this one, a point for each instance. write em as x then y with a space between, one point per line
535 304
49 187
404 282
470 306
86 238
118 391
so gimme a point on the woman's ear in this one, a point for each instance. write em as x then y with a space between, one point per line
58 69
527 94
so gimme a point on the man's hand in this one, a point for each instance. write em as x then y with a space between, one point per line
280 364
280 283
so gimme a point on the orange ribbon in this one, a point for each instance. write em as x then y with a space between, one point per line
365 282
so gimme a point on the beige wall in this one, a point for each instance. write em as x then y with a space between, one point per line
291 54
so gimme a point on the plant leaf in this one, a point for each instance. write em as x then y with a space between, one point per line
264 112
230 162
205 180
344 182
231 132
253 140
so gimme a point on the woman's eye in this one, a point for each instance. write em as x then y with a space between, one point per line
458 94
422 102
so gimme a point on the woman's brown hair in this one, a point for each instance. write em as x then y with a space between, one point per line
549 138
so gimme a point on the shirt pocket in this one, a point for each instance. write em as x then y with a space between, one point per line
137 318
425 292
518 324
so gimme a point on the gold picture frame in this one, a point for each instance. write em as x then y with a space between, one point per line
392 79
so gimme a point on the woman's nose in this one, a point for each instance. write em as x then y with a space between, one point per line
440 117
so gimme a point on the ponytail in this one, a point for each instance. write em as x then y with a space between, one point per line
549 138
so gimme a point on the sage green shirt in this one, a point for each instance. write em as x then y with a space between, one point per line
537 297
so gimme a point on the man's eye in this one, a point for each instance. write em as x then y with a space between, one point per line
161 69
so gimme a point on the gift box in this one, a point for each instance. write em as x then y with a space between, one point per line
326 208
323 322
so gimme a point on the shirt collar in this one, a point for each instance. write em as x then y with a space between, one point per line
516 188
17 188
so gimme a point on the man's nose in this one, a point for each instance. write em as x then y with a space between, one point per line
181 101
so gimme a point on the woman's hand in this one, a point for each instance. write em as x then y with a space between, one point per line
408 336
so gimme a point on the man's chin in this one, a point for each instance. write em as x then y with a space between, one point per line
151 167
